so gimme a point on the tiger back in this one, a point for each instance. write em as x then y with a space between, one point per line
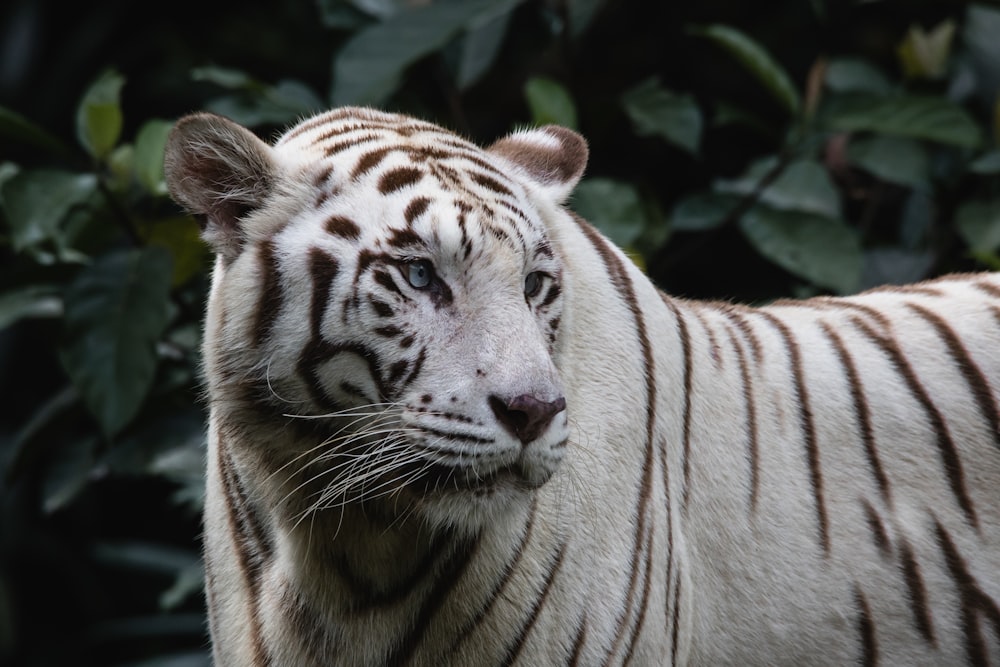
450 423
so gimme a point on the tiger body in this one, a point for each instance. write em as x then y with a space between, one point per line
452 424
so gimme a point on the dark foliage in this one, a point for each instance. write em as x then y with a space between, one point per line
740 150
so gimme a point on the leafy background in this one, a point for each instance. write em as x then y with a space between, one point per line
740 150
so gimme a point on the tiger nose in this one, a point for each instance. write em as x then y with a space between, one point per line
525 416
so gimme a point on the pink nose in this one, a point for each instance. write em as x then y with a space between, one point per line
524 416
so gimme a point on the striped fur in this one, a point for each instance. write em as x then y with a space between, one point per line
452 424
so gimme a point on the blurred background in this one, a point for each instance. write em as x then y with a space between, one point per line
739 150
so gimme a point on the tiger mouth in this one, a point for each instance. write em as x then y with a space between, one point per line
438 478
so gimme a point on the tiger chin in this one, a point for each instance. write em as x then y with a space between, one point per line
451 423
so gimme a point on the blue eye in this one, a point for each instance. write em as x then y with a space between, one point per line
419 273
532 283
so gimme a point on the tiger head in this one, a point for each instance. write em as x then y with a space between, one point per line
386 304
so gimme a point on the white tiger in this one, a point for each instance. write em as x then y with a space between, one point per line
452 425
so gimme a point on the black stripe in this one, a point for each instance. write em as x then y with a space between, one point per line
620 279
448 576
415 209
499 585
343 227
946 446
753 447
918 596
270 300
974 602
862 413
866 630
370 160
979 386
398 178
514 650
644 602
253 551
579 640
877 528
323 268
688 375
807 425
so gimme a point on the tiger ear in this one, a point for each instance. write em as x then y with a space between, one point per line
220 172
552 156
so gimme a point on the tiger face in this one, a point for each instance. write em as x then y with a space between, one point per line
407 307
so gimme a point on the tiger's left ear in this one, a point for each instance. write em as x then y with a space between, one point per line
552 156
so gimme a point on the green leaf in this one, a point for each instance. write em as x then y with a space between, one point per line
893 159
802 185
15 127
757 61
225 77
550 103
369 66
657 111
99 116
854 75
36 202
978 222
116 310
479 48
613 207
580 14
182 237
929 118
822 250
68 471
703 211
148 156
260 104
987 163
29 301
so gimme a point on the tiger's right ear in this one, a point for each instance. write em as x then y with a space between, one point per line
219 171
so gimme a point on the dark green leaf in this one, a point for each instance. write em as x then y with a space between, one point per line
821 250
803 186
550 103
893 159
259 104
15 127
116 311
479 48
845 75
703 211
581 13
987 163
225 77
36 202
613 207
757 61
29 301
148 156
657 111
978 222
99 116
368 68
929 118
67 473
895 266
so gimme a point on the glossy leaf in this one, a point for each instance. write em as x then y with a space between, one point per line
847 75
929 118
702 211
15 127
978 222
148 156
656 111
549 102
99 116
67 473
35 203
802 185
613 207
480 47
116 311
181 236
893 159
29 301
821 250
369 66
755 58
987 163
